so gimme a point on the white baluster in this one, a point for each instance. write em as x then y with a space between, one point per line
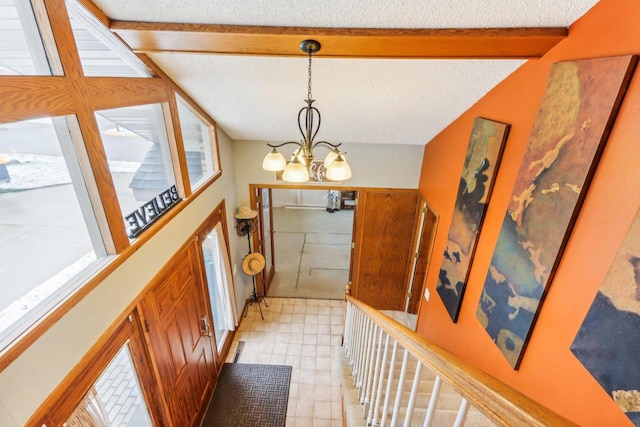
462 413
356 345
363 355
403 373
368 372
383 367
376 376
348 328
361 339
414 393
433 402
387 397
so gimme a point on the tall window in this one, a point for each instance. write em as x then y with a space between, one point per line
21 51
48 232
220 284
197 138
101 54
135 140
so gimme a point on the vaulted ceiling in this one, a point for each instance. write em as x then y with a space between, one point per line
389 72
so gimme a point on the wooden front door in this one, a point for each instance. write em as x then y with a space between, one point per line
387 223
178 323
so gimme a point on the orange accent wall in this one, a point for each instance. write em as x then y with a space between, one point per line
549 373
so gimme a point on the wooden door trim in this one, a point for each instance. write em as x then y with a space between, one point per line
429 245
61 403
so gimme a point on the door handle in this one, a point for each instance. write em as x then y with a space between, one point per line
205 328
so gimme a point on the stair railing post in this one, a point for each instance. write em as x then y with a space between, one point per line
368 371
366 323
462 413
414 393
433 402
387 397
403 374
363 354
348 328
356 346
371 392
383 366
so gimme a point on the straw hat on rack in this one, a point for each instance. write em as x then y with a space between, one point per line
245 212
253 263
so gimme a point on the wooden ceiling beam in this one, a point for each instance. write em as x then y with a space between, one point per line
462 43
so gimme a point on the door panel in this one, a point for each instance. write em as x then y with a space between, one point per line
387 220
182 351
424 258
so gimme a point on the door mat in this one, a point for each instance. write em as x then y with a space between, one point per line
250 395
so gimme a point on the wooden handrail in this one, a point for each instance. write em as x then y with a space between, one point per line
501 403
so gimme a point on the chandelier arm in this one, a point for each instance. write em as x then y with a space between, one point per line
283 144
319 120
328 144
304 136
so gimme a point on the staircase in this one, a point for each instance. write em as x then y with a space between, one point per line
393 377
448 407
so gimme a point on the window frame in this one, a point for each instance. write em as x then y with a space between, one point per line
61 403
71 93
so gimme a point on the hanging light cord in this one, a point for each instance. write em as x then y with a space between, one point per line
309 135
309 92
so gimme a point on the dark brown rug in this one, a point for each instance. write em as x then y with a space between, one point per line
250 395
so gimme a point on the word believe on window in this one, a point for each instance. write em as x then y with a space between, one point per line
148 213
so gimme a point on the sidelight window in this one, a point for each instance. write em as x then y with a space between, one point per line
220 284
115 399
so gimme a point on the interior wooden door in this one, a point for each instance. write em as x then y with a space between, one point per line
387 222
424 257
178 322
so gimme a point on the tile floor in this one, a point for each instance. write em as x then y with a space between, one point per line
301 333
312 251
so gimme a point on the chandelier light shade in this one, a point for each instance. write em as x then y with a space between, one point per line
339 169
297 170
274 161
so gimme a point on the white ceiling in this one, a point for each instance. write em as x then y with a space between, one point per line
382 101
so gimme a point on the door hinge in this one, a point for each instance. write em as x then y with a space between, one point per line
353 245
424 209
146 325
356 201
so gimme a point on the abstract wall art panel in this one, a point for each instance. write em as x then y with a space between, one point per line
480 166
576 113
608 342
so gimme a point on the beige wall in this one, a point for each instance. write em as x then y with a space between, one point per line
372 165
33 376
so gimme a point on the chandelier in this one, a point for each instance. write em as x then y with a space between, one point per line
297 169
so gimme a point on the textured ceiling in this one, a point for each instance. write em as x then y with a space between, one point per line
386 101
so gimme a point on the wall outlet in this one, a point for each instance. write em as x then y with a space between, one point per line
426 294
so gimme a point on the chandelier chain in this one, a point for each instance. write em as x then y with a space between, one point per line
309 91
